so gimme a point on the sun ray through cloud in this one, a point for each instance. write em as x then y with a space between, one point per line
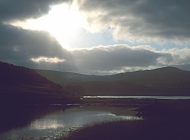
62 22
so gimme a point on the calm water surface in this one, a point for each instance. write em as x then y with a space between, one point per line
51 123
142 97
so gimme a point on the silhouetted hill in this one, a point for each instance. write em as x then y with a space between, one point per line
23 85
11 74
160 75
161 81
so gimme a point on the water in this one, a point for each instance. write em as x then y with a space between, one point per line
141 97
51 122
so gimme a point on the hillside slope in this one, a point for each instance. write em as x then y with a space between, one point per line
23 85
65 78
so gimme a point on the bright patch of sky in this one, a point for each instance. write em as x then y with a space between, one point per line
85 39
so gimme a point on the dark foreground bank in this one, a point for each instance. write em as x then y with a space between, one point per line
163 120
135 130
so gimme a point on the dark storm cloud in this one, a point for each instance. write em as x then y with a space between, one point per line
140 19
121 58
22 9
17 44
114 58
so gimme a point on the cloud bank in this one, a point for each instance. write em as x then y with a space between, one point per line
121 58
139 20
37 49
22 9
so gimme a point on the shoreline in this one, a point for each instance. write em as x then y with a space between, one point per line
162 119
156 114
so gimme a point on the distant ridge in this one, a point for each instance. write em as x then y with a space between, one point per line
162 81
164 74
65 77
160 75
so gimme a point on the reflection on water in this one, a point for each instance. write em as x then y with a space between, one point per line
57 122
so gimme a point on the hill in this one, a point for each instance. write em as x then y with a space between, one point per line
20 85
161 81
66 77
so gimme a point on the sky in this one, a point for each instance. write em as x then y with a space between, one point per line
95 37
